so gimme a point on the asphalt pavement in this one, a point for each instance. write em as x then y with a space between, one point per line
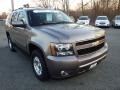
16 71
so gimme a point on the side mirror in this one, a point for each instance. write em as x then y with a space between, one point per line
19 23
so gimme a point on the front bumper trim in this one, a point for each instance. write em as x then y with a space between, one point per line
93 61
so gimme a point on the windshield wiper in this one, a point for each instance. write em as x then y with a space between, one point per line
46 23
63 22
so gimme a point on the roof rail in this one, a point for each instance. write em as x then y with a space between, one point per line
33 8
21 8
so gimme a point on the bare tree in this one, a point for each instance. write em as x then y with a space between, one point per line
82 6
43 3
118 6
56 4
65 5
3 16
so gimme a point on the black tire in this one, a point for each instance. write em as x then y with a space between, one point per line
10 44
115 27
44 72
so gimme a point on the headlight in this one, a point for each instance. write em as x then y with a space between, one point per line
61 49
100 33
96 23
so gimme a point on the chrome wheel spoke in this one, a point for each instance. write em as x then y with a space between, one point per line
9 42
37 66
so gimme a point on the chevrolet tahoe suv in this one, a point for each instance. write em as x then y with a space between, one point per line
59 48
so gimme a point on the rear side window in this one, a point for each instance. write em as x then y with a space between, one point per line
21 16
14 18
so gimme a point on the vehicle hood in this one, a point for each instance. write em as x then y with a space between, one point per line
70 32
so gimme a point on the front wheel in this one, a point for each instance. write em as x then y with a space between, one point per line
39 65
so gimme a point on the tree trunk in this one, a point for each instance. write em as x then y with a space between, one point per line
82 6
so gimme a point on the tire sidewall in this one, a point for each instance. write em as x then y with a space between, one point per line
44 74
10 42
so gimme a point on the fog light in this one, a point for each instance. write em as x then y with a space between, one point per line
63 73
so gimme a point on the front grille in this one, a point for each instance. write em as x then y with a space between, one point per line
90 50
86 47
90 41
102 23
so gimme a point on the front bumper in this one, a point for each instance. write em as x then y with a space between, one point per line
117 24
62 67
83 23
102 25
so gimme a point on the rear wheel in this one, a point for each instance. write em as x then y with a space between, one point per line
10 44
39 65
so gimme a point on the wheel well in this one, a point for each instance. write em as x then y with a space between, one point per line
33 47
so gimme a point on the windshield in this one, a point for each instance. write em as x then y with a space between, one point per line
43 17
83 18
102 18
118 18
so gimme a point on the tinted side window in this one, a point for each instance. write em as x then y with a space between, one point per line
21 16
14 18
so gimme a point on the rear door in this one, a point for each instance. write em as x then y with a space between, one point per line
12 28
21 33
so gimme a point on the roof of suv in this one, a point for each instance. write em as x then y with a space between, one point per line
33 8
